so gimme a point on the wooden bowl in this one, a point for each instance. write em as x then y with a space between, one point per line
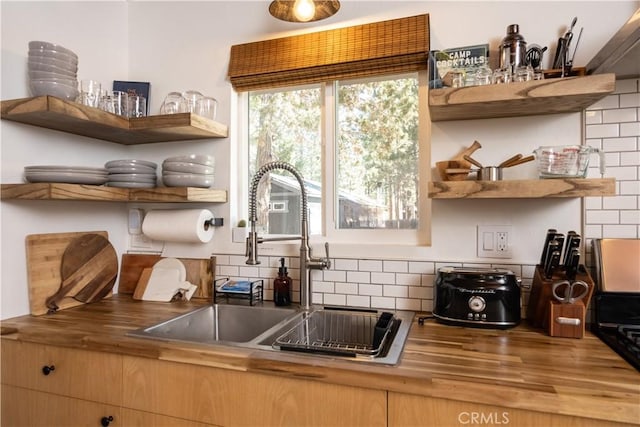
461 170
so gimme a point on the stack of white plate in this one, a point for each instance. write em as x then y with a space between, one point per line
65 174
191 170
52 70
131 173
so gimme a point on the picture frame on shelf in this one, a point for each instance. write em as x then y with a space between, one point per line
467 59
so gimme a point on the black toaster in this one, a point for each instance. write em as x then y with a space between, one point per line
477 297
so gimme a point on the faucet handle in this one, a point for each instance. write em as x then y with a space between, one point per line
327 261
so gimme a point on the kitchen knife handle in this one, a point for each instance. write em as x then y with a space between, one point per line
553 263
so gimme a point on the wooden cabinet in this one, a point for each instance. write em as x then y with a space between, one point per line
411 410
81 374
131 417
23 407
47 386
224 397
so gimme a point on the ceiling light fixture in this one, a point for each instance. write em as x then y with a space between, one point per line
303 10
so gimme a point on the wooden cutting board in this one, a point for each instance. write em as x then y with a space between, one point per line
200 272
44 263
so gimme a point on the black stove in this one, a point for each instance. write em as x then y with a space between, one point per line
618 323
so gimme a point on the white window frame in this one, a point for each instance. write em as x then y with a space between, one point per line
373 244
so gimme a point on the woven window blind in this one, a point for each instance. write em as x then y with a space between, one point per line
388 47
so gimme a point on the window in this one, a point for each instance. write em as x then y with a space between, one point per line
358 146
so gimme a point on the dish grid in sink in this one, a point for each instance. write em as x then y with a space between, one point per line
349 333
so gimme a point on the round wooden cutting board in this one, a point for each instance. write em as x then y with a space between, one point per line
88 270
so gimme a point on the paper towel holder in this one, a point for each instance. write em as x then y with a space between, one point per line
213 222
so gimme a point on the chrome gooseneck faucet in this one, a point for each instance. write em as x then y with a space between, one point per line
307 262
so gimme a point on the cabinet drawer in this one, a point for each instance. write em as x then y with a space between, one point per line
22 407
131 417
77 373
224 397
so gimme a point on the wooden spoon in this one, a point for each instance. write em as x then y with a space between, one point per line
521 161
510 160
473 161
467 152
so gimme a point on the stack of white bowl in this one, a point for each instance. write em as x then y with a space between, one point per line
191 170
65 174
131 173
52 70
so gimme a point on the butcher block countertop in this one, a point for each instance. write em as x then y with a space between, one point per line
520 368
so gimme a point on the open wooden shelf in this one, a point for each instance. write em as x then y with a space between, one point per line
550 96
59 191
55 113
522 189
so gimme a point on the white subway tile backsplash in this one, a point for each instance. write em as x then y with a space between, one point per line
628 100
345 264
630 159
620 231
334 276
407 279
593 117
593 203
369 265
383 302
427 279
603 217
630 187
334 299
626 86
593 231
623 173
630 217
358 276
383 278
358 301
420 292
408 304
630 129
421 267
619 115
395 291
395 266
620 202
227 270
369 289
324 287
610 130
346 288
619 144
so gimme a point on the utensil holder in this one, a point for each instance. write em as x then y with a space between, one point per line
541 297
566 320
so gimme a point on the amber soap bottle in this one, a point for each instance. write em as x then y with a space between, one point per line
282 286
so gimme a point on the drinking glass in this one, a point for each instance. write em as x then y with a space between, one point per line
457 79
115 102
483 76
90 91
206 107
523 74
192 97
501 75
137 106
173 103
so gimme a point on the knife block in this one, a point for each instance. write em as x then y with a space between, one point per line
541 297
561 314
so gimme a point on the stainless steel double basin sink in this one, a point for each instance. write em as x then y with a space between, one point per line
352 334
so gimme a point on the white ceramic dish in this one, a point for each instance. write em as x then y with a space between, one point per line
56 54
129 163
38 44
130 184
69 66
35 74
173 263
39 66
67 81
40 88
187 167
64 168
202 175
65 177
202 159
132 169
132 177
187 180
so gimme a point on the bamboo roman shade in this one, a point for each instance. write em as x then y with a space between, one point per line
388 47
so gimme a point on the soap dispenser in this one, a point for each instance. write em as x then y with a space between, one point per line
282 286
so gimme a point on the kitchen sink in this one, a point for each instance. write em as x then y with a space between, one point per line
218 322
352 334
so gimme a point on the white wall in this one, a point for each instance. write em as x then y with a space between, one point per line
185 45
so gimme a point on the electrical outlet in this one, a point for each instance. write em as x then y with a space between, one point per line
494 241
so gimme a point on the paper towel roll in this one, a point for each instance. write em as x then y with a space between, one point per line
184 225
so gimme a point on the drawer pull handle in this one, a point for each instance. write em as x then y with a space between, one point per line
104 422
48 369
